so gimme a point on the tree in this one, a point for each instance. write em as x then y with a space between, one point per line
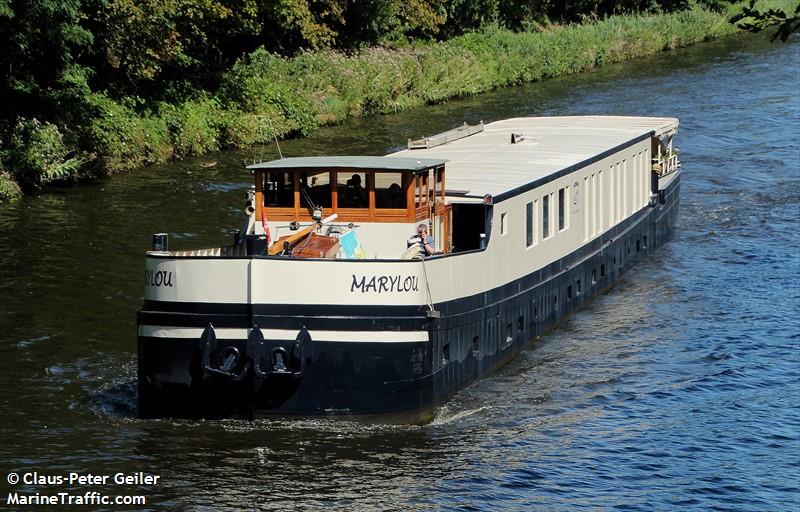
38 43
756 20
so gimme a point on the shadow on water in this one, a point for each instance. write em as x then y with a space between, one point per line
675 390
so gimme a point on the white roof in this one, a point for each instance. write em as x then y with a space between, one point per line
487 162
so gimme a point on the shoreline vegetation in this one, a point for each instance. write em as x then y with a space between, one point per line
90 132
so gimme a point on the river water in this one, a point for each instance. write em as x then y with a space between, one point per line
679 389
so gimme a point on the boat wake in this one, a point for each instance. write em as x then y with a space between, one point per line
446 416
115 399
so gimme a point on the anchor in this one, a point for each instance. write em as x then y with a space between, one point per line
229 359
266 358
273 359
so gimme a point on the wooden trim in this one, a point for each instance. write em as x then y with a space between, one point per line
296 190
259 197
277 246
345 215
448 219
334 191
409 181
417 188
371 192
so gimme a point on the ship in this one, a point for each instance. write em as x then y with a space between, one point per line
376 287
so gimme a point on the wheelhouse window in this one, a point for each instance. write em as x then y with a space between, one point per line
353 189
316 187
278 189
421 191
363 195
389 191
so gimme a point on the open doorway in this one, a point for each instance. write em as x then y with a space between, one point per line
469 221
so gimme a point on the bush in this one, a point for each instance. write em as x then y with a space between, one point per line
266 84
37 155
193 126
120 139
8 187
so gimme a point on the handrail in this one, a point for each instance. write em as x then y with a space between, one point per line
668 163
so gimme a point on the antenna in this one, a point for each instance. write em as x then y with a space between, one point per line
275 136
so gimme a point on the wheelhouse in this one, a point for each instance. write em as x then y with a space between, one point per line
357 189
382 197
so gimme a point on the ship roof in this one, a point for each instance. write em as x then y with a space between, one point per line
409 163
488 163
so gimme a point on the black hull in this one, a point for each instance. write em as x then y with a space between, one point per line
395 382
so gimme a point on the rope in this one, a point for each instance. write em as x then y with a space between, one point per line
427 285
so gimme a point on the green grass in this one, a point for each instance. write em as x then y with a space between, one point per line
294 96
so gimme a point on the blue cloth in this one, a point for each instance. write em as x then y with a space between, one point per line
350 245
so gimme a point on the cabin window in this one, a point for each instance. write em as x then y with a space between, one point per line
278 189
389 192
593 225
509 332
352 190
475 344
446 354
586 208
563 212
600 210
546 216
603 270
611 190
578 287
520 324
626 210
644 241
421 194
530 234
503 223
439 174
620 198
317 186
569 292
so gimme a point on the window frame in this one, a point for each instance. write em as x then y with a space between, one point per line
530 224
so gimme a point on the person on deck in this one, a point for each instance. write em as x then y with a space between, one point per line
355 196
426 241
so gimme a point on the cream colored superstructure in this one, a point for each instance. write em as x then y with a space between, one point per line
603 170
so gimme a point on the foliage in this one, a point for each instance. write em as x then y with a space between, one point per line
40 39
91 87
9 189
37 155
754 19
120 138
193 126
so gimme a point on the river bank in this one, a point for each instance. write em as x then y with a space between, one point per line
265 95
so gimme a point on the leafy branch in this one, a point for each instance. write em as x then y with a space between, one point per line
756 20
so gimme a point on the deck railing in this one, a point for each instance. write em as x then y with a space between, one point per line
220 252
666 163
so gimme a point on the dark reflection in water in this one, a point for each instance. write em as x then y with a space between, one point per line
677 390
